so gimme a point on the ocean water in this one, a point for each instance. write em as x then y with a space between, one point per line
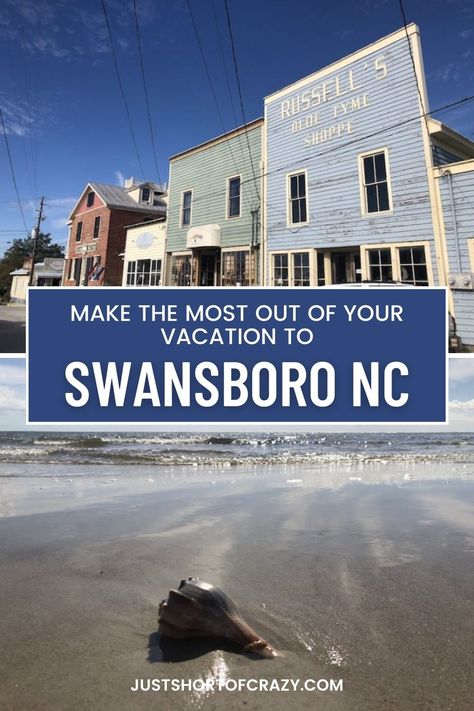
75 450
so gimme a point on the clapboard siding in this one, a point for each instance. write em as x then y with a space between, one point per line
441 156
205 172
334 196
463 197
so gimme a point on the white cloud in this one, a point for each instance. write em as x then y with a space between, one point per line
461 405
11 399
119 177
461 369
465 34
21 119
13 374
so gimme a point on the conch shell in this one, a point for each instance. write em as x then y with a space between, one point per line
200 609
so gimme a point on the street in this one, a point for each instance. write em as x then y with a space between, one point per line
12 329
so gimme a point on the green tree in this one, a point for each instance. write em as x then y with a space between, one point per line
18 251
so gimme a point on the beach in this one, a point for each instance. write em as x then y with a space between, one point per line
360 572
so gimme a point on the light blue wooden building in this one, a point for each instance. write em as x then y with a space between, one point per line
349 192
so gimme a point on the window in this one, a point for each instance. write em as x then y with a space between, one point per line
380 265
96 227
406 262
186 208
413 269
145 194
301 271
233 197
77 271
181 270
156 198
144 272
235 268
297 199
90 199
280 270
321 270
79 232
375 183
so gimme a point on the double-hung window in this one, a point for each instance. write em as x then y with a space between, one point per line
186 208
79 232
297 202
375 183
90 199
233 197
96 227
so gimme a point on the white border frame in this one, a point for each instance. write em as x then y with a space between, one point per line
243 422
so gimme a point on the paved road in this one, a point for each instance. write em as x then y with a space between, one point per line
12 329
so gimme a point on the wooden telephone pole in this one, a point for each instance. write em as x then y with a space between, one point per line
35 235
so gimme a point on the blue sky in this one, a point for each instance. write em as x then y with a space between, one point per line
65 119
461 400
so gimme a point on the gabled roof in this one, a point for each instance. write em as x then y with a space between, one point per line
118 197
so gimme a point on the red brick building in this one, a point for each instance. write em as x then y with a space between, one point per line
97 232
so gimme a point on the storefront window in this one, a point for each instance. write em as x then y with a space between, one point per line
181 270
413 269
280 269
380 265
144 272
301 272
235 268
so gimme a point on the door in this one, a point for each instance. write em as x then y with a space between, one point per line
207 270
346 267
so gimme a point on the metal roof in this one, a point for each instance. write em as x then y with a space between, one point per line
116 196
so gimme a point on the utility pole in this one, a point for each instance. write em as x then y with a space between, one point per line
35 235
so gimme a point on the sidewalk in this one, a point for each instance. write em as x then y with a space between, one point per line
12 328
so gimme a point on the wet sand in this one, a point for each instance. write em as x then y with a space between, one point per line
371 584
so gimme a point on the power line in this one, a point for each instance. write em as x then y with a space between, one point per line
211 84
122 90
145 90
405 24
392 127
13 172
224 64
234 57
227 79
